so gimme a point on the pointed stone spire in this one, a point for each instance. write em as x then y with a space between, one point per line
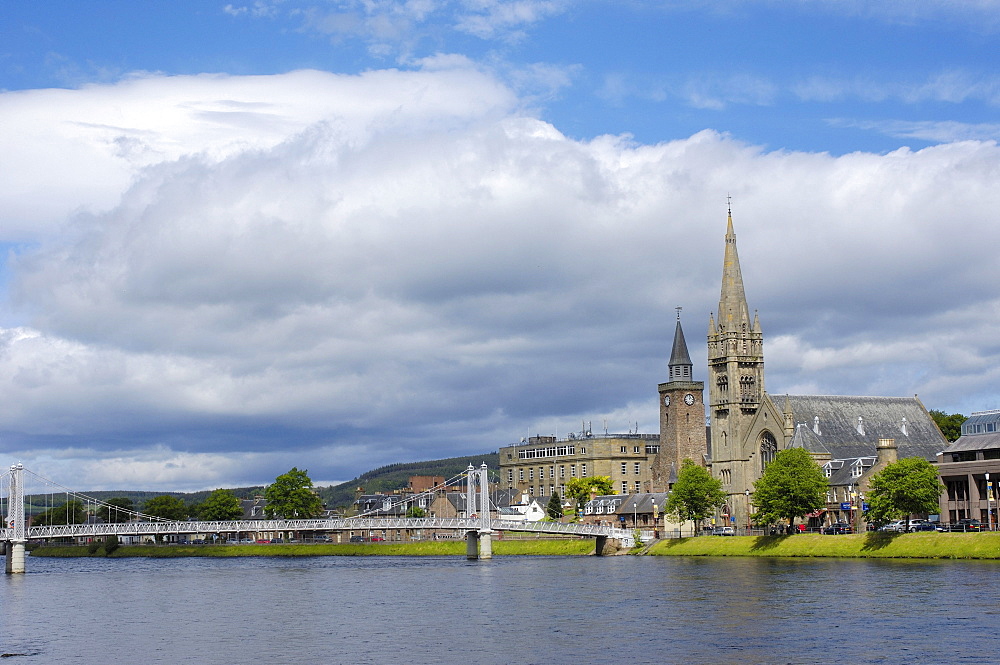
680 360
734 315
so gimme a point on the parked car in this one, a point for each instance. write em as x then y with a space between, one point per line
723 531
838 529
967 525
923 525
357 539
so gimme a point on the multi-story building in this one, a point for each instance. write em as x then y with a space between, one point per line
970 470
542 465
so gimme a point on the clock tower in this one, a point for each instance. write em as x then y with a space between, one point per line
682 415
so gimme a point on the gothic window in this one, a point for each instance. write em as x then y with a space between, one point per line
768 449
748 389
723 384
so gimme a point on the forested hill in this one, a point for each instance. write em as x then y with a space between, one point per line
383 479
397 476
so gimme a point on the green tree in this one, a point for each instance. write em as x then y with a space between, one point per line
696 494
950 424
71 511
416 512
903 488
220 505
554 507
166 507
117 509
792 485
291 496
579 489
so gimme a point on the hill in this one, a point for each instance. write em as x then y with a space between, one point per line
383 479
396 476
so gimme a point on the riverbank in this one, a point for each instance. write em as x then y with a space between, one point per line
871 545
533 547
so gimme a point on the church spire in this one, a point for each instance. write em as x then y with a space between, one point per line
734 315
680 360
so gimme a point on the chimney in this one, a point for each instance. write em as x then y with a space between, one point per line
887 453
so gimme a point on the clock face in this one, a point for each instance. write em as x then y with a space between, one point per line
689 399
666 400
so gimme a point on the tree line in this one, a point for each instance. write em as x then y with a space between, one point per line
290 496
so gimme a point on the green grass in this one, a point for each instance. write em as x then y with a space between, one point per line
870 545
532 547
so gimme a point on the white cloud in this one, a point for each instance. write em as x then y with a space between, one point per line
340 272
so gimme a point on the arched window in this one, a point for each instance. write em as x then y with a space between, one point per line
768 449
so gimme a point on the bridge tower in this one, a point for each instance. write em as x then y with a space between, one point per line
478 542
15 520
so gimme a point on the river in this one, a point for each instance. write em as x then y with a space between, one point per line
508 611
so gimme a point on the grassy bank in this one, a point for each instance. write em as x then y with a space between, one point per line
532 547
872 545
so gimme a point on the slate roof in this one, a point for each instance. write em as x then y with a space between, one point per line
973 442
832 425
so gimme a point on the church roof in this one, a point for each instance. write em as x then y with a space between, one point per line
850 426
805 437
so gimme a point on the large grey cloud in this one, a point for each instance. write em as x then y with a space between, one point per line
234 275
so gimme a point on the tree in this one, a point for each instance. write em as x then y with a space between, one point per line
695 495
166 507
70 512
416 511
291 496
117 509
220 505
903 488
554 507
579 489
949 424
792 485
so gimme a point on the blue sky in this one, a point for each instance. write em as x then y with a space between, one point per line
245 236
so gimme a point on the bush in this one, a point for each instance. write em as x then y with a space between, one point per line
111 544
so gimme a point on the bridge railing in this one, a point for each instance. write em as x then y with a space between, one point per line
345 524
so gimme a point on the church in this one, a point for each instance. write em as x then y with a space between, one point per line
851 437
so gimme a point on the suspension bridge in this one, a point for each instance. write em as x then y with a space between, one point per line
479 526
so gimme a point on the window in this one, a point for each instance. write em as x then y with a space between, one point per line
768 449
624 449
562 470
572 470
552 472
624 468
637 465
583 470
531 490
552 490
520 474
624 487
638 487
510 475
635 449
531 474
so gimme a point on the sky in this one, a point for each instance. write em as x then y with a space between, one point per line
237 237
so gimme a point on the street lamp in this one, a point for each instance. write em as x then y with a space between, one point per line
747 493
635 515
989 502
656 518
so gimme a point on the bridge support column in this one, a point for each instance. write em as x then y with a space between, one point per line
472 545
599 546
485 544
15 557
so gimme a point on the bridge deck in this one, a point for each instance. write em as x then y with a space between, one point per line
355 524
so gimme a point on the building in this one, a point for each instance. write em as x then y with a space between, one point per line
749 426
964 467
542 465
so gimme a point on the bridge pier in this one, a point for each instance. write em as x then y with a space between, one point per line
599 546
472 545
15 557
485 544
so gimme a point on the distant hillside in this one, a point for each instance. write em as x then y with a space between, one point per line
383 479
397 476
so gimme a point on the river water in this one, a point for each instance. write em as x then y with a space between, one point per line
511 610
